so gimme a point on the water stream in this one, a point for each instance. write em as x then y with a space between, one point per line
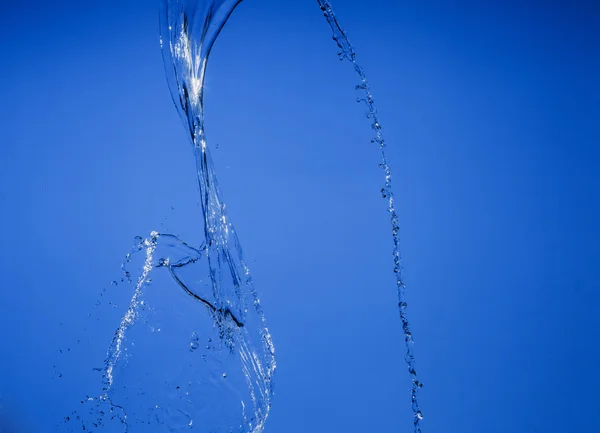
193 349
346 52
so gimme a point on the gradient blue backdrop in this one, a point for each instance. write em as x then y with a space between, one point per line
492 114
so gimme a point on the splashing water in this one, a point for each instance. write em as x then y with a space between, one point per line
193 349
346 52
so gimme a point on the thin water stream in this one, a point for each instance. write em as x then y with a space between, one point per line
346 52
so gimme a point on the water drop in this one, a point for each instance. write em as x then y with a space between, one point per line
194 341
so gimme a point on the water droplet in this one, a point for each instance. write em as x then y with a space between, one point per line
194 341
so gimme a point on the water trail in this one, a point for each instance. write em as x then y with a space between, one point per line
347 53
193 349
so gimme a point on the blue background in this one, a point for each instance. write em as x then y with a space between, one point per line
491 111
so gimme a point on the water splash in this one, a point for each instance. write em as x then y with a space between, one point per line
193 349
346 52
189 29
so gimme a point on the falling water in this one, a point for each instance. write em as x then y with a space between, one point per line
193 349
346 52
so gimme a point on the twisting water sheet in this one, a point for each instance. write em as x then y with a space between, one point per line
193 350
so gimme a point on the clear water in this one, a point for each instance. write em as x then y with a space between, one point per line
193 350
346 52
